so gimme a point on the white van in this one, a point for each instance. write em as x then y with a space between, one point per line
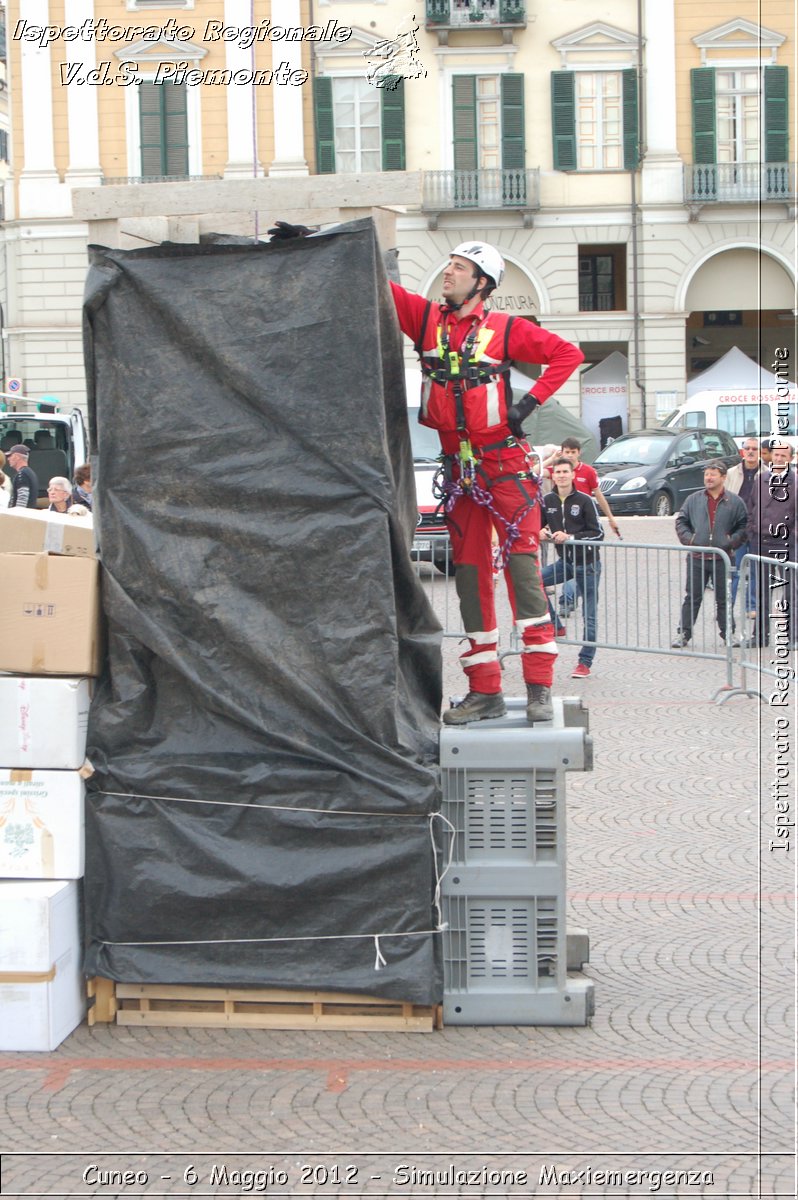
742 412
57 440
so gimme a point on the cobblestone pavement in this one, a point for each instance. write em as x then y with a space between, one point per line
688 1065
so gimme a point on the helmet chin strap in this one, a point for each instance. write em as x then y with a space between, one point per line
474 292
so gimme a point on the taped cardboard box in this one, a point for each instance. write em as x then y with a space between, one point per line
35 531
41 982
49 614
41 825
43 721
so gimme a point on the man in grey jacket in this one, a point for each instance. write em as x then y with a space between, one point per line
714 519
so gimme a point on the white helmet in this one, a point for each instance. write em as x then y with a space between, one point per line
486 258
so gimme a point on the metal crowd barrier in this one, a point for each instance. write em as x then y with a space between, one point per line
772 637
640 597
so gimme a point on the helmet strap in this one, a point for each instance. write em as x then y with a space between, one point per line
475 291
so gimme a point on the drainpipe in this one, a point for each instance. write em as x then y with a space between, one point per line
635 217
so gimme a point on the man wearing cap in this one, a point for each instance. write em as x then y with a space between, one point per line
712 518
25 485
465 350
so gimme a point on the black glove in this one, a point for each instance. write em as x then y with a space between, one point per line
282 231
517 413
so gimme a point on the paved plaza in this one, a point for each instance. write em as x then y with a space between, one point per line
681 1086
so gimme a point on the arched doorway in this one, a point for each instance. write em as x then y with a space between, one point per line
739 297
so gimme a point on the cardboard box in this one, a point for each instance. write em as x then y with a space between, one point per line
35 531
42 993
49 614
43 722
41 825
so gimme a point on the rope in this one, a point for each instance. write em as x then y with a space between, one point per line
379 959
329 812
449 491
441 875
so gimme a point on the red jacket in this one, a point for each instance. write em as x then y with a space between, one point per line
485 405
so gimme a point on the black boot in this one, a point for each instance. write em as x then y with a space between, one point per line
477 706
538 706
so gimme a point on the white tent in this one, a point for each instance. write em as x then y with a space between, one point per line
733 370
605 393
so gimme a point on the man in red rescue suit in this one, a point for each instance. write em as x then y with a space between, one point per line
465 352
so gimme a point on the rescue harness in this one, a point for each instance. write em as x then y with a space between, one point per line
463 370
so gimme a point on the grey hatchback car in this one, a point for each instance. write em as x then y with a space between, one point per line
655 470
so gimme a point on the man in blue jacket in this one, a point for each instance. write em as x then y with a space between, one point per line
714 519
571 521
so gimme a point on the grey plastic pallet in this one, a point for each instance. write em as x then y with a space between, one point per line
563 744
506 952
573 1005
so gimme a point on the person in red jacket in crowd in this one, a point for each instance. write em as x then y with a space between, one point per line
465 350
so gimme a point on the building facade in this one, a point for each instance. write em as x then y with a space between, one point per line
632 161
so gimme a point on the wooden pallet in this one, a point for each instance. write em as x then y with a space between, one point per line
178 1005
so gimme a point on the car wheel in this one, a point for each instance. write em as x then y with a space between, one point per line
662 505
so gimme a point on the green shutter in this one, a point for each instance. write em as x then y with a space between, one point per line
325 125
631 124
150 129
513 147
175 124
563 120
702 85
163 124
776 123
464 102
393 123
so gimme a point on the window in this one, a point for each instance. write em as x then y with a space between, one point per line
4 145
164 129
737 101
356 121
716 446
742 419
685 448
488 139
359 127
599 127
594 120
602 278
727 115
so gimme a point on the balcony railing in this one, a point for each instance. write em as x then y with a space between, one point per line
446 190
474 14
729 183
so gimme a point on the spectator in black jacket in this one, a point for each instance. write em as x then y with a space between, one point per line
773 534
571 521
25 485
715 519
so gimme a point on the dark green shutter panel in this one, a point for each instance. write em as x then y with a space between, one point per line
777 137
631 124
563 120
702 84
464 101
393 124
325 126
150 131
163 124
513 148
175 123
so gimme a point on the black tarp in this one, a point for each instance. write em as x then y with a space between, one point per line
264 734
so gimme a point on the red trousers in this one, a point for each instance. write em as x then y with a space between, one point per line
470 528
